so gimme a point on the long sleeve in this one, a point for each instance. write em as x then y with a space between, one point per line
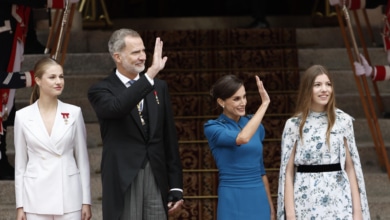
16 80
81 155
289 137
20 160
347 122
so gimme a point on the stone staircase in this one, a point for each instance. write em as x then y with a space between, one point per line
88 61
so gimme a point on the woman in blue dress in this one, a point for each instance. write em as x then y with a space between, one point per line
235 140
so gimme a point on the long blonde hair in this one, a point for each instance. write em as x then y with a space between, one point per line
304 99
39 69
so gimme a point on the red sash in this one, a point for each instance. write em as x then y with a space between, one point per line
21 13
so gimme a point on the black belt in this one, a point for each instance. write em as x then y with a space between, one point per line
319 168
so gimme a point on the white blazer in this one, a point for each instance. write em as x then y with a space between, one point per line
51 172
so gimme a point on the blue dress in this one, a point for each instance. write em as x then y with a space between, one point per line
241 191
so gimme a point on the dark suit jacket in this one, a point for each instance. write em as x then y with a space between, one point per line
125 144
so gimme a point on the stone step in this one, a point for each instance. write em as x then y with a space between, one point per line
336 58
378 195
362 131
352 104
83 64
345 83
372 159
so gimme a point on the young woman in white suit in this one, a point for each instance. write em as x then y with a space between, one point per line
52 178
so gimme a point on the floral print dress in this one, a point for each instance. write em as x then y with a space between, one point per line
323 195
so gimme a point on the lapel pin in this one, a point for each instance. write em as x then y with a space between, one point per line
155 95
65 116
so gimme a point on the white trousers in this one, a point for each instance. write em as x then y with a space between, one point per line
67 216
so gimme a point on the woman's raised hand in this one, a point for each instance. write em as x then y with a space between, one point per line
265 100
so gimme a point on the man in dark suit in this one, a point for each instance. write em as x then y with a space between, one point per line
141 169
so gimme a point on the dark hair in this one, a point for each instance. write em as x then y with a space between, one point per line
305 94
225 87
40 69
